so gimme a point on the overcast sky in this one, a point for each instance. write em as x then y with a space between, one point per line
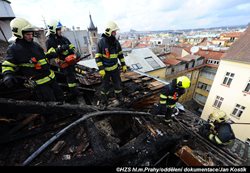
141 15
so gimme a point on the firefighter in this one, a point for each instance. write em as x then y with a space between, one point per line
27 59
170 95
108 52
60 48
217 130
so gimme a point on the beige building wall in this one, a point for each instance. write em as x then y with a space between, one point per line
223 42
160 73
232 95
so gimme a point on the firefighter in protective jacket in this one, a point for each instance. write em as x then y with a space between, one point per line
108 52
170 95
218 130
27 59
60 48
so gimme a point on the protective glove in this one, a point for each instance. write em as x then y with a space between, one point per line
51 53
57 60
124 69
9 80
102 73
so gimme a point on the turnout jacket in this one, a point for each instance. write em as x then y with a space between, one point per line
27 59
170 95
221 133
56 42
108 52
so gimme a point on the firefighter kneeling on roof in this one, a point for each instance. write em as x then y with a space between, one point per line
60 48
107 55
170 95
218 130
27 59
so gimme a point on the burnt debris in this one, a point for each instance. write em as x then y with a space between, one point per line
73 134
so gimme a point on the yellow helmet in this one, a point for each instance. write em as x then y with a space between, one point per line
53 25
111 26
20 25
218 116
183 82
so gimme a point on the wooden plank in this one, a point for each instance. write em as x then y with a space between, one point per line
156 87
129 73
146 78
124 79
187 156
155 83
138 81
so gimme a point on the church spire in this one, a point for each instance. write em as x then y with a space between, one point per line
91 25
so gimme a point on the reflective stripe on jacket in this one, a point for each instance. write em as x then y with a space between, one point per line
170 95
18 59
108 52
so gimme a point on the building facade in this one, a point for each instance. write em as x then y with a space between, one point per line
230 91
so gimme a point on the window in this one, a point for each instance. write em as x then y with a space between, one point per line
208 75
152 62
210 61
238 110
228 78
247 89
200 98
85 40
202 86
218 101
136 66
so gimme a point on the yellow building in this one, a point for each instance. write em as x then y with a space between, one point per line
160 73
189 66
206 76
230 91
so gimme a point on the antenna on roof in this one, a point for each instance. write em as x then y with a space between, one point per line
44 22
194 49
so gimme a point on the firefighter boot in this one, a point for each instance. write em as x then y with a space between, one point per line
74 94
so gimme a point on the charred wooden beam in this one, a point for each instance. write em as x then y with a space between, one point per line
84 89
136 152
64 130
48 126
95 138
21 106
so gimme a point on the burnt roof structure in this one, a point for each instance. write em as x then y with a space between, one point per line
36 133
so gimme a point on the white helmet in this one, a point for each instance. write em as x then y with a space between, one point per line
53 25
218 116
111 26
20 25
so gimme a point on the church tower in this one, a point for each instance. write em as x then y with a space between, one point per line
93 37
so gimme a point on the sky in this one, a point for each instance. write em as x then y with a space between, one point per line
140 15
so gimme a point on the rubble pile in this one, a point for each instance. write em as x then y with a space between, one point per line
115 137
